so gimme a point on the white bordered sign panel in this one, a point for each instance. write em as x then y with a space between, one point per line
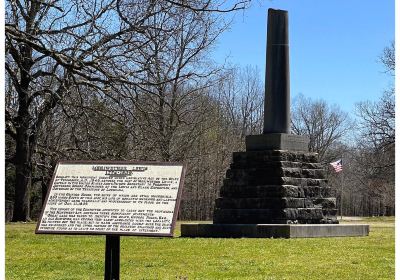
121 198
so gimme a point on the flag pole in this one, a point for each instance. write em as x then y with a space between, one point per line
341 194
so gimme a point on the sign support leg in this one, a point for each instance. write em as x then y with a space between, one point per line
111 270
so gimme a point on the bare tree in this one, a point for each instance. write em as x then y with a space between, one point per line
179 73
369 163
376 141
377 124
369 182
325 125
377 120
388 59
55 49
242 94
52 49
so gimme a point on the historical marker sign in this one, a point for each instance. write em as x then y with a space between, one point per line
113 198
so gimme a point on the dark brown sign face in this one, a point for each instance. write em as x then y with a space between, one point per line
121 198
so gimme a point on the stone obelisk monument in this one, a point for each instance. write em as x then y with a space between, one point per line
277 91
276 188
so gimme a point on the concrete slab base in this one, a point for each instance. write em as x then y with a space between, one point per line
273 230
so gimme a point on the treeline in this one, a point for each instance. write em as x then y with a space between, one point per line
131 80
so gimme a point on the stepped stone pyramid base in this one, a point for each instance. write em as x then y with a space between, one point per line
270 191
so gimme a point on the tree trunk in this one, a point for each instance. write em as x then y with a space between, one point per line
23 148
44 184
23 172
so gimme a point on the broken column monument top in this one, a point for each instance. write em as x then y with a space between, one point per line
276 133
277 79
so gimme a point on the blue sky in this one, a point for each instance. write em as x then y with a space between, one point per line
334 46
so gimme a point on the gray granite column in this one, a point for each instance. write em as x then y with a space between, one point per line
277 91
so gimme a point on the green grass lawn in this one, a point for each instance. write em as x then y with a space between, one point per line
30 256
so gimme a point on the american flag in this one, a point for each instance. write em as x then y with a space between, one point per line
337 165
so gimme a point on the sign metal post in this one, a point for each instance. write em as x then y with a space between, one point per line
111 264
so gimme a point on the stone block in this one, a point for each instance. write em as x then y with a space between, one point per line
274 155
273 171
259 203
252 216
325 202
247 216
272 180
312 191
283 164
304 213
328 220
261 191
329 212
277 141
